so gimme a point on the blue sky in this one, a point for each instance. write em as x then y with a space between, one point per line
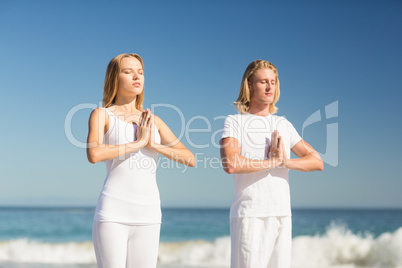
54 54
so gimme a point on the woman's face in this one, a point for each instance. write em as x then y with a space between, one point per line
131 77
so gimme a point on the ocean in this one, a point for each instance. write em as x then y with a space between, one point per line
61 238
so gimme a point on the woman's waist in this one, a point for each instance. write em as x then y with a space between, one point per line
132 193
120 168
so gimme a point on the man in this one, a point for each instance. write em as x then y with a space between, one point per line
255 146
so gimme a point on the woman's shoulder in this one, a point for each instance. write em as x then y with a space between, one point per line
99 113
158 122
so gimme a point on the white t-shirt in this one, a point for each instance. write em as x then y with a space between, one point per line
264 193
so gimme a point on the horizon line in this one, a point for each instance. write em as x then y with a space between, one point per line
201 207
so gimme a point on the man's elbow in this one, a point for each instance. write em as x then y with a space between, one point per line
318 163
320 166
229 169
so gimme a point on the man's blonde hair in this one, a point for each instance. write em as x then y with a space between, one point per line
243 101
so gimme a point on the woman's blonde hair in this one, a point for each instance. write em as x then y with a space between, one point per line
112 81
243 101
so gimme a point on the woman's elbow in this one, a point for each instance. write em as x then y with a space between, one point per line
191 163
92 156
188 160
91 159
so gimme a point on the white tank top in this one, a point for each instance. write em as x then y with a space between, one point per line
130 193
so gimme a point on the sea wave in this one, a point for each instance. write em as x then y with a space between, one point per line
338 247
28 251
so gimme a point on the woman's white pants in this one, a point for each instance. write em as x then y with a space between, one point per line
119 245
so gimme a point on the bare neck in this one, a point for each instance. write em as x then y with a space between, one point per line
125 104
260 109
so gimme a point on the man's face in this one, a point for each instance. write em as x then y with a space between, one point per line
262 86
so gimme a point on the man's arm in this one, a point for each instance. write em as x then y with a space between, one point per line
308 159
234 162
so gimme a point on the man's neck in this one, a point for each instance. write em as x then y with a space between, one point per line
260 109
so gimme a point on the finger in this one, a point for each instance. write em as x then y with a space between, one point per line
280 147
140 120
151 121
275 140
143 117
148 118
151 129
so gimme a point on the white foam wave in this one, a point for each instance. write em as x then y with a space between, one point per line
210 254
26 251
338 247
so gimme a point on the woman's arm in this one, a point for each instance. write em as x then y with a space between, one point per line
170 146
309 159
98 151
234 162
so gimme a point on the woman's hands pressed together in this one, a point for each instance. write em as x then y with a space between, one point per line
145 128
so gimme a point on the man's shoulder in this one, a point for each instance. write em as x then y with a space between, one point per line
237 116
281 123
279 118
232 117
237 119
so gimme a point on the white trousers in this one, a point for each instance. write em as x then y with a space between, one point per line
119 245
261 242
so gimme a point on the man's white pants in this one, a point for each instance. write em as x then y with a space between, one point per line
261 242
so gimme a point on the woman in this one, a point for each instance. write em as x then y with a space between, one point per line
127 138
